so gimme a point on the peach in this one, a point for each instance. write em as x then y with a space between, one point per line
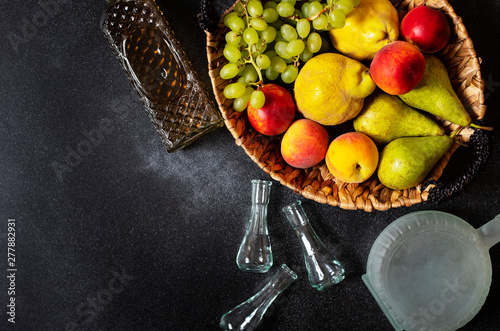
304 144
398 67
352 157
277 113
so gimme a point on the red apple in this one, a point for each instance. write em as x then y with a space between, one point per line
397 67
277 113
426 28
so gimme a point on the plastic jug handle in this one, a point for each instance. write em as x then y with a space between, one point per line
490 232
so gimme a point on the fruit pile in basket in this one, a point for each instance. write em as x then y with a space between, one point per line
381 76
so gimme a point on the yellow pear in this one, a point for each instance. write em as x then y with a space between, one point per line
385 117
369 26
330 88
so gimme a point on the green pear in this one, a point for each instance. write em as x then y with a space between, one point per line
434 94
385 117
405 162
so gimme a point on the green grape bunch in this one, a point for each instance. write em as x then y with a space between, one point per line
270 40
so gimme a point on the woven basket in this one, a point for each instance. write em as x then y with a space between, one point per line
317 183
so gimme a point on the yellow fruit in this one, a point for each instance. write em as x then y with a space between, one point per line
369 26
330 88
352 157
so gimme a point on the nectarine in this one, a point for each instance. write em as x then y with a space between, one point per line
352 157
398 67
304 144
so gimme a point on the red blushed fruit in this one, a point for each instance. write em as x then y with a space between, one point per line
304 144
397 67
426 28
277 113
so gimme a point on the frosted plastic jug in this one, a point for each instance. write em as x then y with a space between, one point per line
431 270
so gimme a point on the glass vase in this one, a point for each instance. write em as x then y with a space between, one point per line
255 253
323 268
247 315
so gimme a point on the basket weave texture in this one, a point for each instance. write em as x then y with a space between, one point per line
317 183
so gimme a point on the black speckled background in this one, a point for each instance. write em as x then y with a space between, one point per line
134 238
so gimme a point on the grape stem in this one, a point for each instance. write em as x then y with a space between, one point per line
251 60
312 18
324 10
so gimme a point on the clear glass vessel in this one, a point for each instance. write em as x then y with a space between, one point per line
255 253
174 97
247 315
323 268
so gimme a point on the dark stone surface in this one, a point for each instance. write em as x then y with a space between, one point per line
153 236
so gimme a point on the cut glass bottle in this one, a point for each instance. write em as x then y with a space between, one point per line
174 97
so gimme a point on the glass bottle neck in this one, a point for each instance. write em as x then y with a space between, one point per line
284 277
300 223
258 219
296 215
278 283
247 315
261 190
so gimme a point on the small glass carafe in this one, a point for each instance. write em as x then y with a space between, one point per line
247 315
323 268
255 253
